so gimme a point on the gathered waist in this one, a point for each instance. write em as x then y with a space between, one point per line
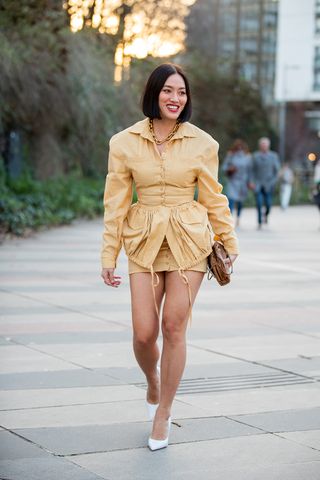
183 203
166 197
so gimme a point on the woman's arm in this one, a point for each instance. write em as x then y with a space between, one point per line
215 202
117 201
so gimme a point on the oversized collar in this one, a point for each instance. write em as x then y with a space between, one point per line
186 129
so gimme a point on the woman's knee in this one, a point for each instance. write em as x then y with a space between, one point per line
174 327
145 339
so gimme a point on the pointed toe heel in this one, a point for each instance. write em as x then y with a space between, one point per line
154 444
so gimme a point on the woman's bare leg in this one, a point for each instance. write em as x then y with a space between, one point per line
146 327
173 358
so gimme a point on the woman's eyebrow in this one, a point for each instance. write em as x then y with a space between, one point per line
170 86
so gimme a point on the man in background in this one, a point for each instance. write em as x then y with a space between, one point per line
265 168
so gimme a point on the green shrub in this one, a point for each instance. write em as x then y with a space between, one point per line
28 204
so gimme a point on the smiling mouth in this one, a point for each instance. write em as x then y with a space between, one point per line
172 108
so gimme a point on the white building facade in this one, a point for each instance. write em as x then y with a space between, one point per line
297 84
298 52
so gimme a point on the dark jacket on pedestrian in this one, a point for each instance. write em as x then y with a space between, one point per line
265 168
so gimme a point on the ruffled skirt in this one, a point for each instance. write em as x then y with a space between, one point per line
165 262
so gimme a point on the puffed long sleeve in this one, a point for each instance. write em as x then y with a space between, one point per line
117 201
216 203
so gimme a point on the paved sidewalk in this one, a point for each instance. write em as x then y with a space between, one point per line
72 399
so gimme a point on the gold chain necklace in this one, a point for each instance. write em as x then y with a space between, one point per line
168 137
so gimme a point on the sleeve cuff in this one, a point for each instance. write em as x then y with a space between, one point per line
231 246
108 263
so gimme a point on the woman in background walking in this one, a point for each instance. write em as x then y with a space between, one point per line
286 177
316 184
237 167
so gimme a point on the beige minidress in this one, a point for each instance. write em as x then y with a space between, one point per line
165 262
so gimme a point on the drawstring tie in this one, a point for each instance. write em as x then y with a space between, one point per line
155 282
185 280
154 285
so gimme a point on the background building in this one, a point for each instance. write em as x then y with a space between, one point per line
298 79
239 37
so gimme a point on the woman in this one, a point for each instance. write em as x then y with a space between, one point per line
237 167
167 235
316 184
286 177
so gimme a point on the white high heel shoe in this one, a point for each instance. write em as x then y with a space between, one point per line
154 444
152 407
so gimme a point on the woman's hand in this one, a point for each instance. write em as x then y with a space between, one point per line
229 264
109 278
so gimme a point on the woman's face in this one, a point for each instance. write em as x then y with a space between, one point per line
172 98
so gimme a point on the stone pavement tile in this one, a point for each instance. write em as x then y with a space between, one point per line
49 468
310 438
231 329
225 369
60 379
18 399
98 414
101 438
24 331
201 460
18 284
59 315
16 358
80 266
94 355
96 298
105 310
300 317
10 300
21 459
51 286
283 421
14 447
131 374
303 365
297 471
234 367
76 336
37 309
243 298
119 354
256 400
263 347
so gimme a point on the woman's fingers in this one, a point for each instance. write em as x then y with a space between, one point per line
109 278
229 261
228 264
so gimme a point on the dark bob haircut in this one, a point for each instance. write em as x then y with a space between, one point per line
150 98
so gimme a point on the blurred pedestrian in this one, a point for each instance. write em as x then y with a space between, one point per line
264 174
237 167
167 235
286 177
316 184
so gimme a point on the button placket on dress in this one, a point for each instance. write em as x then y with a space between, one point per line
162 175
